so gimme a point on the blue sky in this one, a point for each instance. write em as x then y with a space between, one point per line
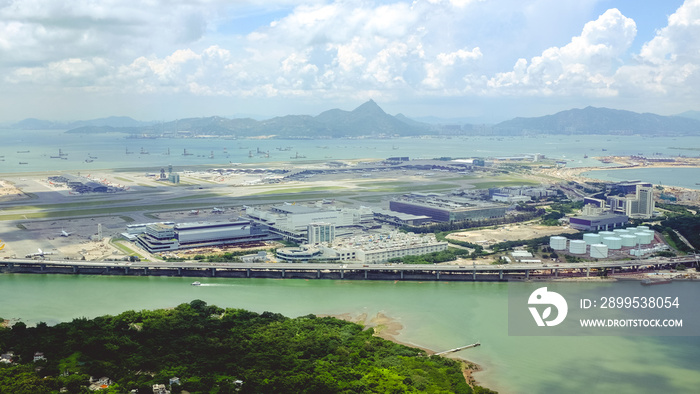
485 60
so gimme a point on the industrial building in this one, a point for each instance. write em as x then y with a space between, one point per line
447 209
604 221
160 237
369 249
291 221
400 219
80 184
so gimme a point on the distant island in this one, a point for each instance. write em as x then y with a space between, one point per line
370 120
202 348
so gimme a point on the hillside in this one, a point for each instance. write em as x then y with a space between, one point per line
214 350
366 120
591 120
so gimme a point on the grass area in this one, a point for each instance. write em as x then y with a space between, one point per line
459 178
203 195
124 248
122 179
145 185
293 196
502 183
68 205
289 190
409 187
127 219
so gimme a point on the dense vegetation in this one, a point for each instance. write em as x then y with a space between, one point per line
209 348
684 220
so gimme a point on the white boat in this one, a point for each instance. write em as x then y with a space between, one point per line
196 284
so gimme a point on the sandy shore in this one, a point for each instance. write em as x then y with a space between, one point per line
389 328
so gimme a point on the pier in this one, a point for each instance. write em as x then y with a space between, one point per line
458 349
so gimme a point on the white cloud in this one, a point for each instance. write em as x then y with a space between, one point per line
585 65
669 64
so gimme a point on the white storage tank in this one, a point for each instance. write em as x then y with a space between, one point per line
613 242
628 240
592 238
604 234
620 231
577 246
642 228
557 243
599 251
644 238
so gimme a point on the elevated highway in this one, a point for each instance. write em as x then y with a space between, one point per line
503 272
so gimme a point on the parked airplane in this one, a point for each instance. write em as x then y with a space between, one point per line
41 253
217 210
64 233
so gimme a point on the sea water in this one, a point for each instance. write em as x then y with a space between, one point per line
86 152
434 315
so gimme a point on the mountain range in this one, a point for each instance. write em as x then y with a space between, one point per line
370 120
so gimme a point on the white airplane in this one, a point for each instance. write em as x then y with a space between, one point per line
64 233
41 253
194 212
217 210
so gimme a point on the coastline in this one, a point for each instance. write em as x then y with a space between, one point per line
388 328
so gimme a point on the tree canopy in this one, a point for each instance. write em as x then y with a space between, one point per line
210 348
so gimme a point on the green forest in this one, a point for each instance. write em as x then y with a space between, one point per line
215 350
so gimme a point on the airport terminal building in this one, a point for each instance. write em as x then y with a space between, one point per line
163 237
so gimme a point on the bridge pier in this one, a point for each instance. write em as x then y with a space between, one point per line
556 273
588 272
283 272
500 274
342 274
437 275
612 270
401 274
126 270
474 275
247 272
213 272
179 271
318 274
365 274
42 267
75 269
527 274
145 270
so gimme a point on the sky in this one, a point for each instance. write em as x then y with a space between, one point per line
485 60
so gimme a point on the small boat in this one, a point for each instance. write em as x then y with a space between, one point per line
196 284
649 282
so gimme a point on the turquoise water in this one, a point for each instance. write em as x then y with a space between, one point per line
110 149
436 315
682 177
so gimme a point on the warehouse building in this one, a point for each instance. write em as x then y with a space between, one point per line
604 221
448 209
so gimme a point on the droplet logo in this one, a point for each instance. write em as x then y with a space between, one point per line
2 245
543 297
